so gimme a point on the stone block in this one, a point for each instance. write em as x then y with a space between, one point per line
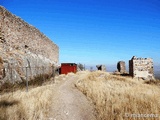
141 68
101 67
121 67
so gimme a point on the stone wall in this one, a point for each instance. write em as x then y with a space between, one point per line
101 67
23 45
121 67
22 36
141 68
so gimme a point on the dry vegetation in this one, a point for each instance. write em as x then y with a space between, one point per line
26 106
114 96
38 80
17 104
1 61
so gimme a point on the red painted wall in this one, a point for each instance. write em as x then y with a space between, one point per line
68 67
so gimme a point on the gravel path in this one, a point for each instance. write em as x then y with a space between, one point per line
69 103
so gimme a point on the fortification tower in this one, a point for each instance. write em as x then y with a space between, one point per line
141 68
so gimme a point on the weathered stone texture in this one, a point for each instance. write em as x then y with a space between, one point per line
19 34
121 67
101 67
141 68
23 45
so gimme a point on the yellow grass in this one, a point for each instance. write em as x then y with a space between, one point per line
21 105
32 105
113 97
1 60
120 98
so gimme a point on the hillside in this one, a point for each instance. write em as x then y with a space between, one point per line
92 95
119 98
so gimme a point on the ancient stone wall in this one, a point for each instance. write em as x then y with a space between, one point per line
101 67
141 68
19 35
121 67
22 45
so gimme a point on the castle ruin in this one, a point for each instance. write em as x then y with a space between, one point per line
22 45
141 68
101 67
121 67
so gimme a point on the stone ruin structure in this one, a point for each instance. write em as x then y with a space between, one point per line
141 68
22 45
101 67
121 67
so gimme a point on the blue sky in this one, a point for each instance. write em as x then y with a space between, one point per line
95 31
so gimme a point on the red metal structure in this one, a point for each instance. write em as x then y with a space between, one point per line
68 67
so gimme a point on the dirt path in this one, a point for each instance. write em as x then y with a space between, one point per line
69 103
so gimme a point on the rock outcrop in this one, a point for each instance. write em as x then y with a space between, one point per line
21 46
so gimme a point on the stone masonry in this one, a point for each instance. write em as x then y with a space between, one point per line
121 67
23 45
101 67
19 35
141 68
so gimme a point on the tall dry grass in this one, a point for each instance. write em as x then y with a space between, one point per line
35 104
38 80
120 98
21 105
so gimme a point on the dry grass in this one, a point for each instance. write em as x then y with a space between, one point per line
1 60
114 96
20 105
38 80
63 77
153 82
17 104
